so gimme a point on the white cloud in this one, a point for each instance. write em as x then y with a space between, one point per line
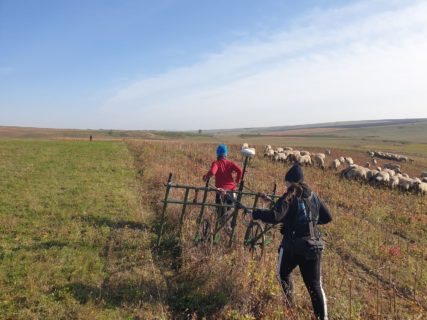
363 61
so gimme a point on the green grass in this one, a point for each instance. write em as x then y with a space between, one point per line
76 234
71 229
413 133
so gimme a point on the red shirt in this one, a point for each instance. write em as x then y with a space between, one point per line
223 171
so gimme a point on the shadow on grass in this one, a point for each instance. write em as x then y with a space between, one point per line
188 298
190 292
46 245
106 222
114 292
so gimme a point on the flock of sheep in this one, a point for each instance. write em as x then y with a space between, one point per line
390 176
290 155
389 156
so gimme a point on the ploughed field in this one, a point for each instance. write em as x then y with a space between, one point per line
78 224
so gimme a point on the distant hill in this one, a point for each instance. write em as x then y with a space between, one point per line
395 130
101 134
326 126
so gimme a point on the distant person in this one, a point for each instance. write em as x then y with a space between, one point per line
90 138
223 171
300 211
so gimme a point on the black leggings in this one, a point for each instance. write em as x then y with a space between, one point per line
310 271
226 201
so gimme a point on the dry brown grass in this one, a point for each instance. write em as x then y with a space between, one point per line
377 239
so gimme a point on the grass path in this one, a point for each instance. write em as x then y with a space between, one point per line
74 243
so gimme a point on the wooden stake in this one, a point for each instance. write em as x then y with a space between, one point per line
349 310
165 204
378 301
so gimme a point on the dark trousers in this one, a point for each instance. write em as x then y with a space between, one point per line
227 200
310 271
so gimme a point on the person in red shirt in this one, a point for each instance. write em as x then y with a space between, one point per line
223 171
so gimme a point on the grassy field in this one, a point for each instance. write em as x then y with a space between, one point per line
73 239
78 224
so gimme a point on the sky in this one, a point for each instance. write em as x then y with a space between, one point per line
189 64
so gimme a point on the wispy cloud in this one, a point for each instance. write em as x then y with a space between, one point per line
367 60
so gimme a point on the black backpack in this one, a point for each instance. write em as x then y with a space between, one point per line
310 247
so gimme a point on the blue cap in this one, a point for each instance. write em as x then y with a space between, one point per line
221 150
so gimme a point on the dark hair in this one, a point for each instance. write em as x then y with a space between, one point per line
220 157
295 190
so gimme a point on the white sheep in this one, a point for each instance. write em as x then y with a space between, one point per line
304 153
406 184
245 146
304 160
394 182
390 172
349 160
421 188
293 156
371 173
319 160
342 160
392 166
355 172
335 164
269 153
280 156
382 178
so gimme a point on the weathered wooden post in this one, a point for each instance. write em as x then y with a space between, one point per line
184 207
350 298
274 193
203 206
165 204
255 201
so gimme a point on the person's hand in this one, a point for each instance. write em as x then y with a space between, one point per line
222 192
263 195
205 178
248 213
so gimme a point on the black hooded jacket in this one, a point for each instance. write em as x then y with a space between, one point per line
286 213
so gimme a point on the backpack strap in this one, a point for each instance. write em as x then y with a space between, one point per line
311 222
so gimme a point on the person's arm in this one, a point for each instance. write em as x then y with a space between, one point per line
212 171
272 216
238 171
325 215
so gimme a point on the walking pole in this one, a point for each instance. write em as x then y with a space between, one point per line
247 153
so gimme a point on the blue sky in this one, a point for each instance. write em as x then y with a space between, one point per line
183 65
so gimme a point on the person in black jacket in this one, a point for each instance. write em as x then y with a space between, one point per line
299 210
